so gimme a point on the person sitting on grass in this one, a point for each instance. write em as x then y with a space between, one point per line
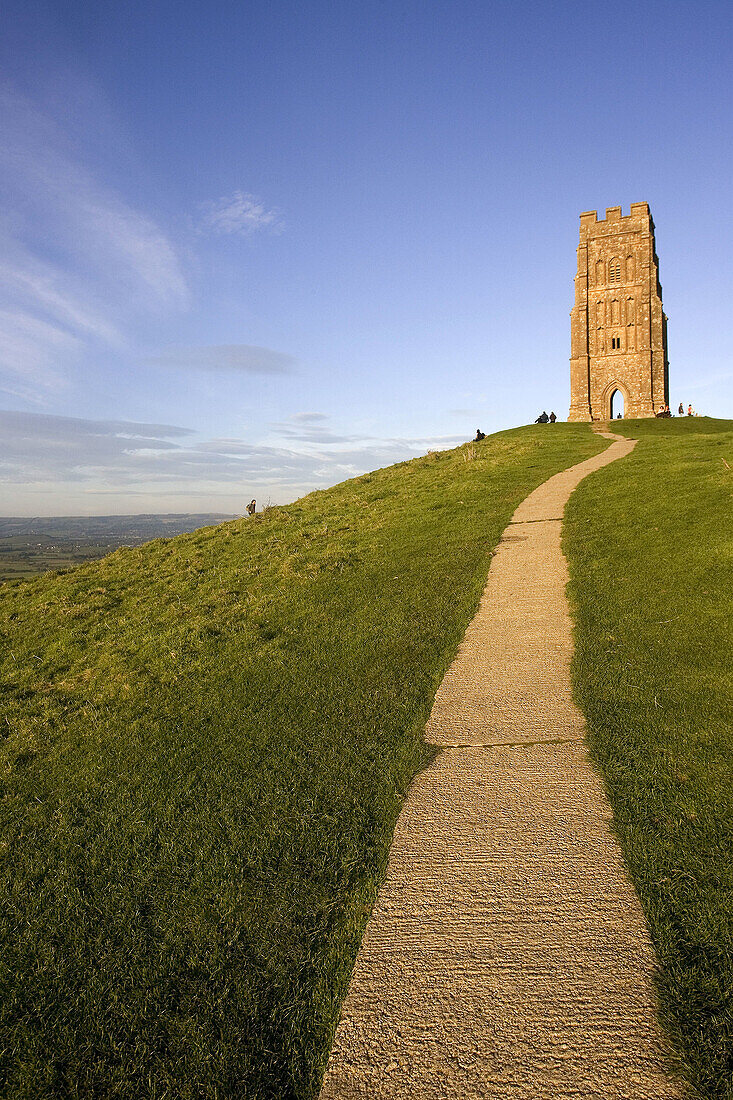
543 418
479 436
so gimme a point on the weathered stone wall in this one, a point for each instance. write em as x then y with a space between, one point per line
618 328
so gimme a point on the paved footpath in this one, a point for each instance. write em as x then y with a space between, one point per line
507 955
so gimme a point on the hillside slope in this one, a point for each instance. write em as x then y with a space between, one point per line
208 740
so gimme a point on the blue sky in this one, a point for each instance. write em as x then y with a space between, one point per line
252 250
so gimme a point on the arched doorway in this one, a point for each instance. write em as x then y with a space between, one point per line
617 404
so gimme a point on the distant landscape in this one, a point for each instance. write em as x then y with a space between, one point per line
37 544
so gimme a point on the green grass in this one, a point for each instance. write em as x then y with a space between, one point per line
207 743
650 544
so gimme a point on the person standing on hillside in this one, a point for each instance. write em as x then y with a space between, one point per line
251 507
681 410
553 418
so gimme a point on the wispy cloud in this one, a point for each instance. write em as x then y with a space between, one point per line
242 357
432 441
310 427
241 214
36 344
67 459
33 285
80 265
39 447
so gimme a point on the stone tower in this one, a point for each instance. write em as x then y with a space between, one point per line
618 328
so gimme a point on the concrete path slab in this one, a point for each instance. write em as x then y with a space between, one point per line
507 955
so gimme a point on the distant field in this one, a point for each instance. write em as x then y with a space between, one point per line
208 741
650 544
32 546
26 556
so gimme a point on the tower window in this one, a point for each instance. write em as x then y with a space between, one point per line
614 270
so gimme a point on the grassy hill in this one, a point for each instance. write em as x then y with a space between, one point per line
650 544
207 740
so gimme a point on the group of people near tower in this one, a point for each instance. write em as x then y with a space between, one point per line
666 411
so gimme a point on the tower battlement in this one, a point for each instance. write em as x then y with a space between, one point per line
618 327
615 214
